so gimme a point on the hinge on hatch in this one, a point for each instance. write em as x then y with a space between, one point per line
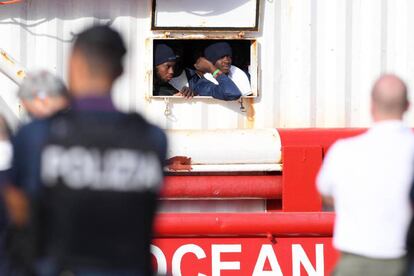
242 107
167 111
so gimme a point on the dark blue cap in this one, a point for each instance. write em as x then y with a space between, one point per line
217 50
163 53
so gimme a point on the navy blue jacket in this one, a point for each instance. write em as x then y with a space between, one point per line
28 145
225 90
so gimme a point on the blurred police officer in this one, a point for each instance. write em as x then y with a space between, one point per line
92 174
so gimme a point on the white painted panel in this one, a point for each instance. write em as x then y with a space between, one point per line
267 105
205 14
227 147
296 63
366 57
260 167
317 58
408 13
395 49
330 63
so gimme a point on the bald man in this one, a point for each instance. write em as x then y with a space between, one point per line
367 179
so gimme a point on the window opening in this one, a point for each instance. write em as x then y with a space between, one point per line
178 66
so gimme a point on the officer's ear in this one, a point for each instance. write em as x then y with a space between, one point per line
118 72
114 68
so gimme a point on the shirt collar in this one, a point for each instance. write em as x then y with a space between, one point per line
94 104
388 124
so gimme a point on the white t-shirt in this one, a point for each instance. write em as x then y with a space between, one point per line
239 78
180 81
237 75
370 176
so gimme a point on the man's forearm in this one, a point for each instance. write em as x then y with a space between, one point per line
17 205
328 203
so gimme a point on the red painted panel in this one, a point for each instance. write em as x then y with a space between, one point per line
302 153
9 2
323 137
231 186
243 256
246 224
300 167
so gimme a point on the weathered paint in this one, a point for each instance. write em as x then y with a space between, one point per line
179 163
222 186
205 147
11 68
316 59
278 223
227 168
196 14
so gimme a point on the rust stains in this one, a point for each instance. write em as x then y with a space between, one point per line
6 57
210 35
250 112
179 163
9 2
21 74
254 48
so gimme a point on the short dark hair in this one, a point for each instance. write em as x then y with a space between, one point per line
103 49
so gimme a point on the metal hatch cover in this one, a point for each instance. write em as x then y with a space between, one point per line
205 15
240 150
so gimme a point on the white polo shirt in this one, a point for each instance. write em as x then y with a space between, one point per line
370 176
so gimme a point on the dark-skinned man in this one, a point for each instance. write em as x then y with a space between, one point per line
165 61
192 82
215 76
220 54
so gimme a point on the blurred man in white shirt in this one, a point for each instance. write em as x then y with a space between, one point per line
367 178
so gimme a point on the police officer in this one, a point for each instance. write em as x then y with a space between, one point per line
91 173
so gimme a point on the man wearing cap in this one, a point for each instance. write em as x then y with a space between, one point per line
164 61
220 54
213 78
216 77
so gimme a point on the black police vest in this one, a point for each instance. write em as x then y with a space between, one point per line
100 175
